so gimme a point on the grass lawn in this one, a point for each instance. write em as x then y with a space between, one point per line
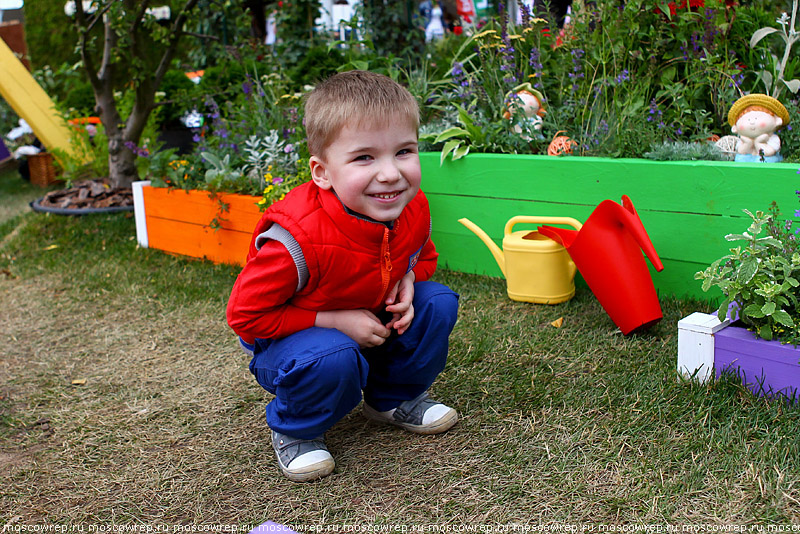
124 398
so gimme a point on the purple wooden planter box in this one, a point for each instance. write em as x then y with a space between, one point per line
766 367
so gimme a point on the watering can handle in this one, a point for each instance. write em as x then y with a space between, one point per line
540 220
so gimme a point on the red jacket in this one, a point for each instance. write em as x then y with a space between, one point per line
343 262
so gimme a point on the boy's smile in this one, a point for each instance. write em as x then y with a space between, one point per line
373 168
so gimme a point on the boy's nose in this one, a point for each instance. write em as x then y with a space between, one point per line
389 172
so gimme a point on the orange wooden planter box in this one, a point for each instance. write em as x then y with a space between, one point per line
179 222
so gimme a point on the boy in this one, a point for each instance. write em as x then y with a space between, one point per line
333 299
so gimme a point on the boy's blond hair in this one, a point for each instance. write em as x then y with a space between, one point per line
355 97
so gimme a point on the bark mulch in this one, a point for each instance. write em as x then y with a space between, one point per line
88 194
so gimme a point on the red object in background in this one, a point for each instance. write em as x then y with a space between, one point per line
466 10
608 253
673 7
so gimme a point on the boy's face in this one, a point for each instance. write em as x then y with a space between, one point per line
373 168
756 122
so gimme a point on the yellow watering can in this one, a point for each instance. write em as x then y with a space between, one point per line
537 269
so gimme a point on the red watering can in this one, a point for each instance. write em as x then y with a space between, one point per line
608 254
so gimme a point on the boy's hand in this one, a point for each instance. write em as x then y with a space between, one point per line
399 303
362 326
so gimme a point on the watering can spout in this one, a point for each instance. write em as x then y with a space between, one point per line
483 236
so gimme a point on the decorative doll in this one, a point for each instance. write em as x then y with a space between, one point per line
531 105
755 119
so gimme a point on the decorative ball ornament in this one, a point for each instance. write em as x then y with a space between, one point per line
561 144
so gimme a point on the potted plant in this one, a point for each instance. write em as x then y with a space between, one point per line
249 153
756 329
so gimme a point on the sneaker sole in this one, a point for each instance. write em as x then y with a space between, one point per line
310 472
442 424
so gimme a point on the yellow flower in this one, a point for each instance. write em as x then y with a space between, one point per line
268 189
282 196
262 202
515 37
268 176
269 168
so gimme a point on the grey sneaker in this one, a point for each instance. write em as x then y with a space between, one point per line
302 460
422 415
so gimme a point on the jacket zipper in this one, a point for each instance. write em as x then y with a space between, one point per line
386 267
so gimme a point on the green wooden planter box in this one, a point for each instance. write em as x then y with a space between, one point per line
687 207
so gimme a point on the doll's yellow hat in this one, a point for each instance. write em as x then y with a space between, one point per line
756 99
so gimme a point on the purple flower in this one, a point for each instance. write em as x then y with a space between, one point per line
139 151
525 14
654 113
288 149
577 68
277 180
247 88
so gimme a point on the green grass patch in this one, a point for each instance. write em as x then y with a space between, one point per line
123 397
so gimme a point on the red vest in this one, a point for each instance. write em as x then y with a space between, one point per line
352 263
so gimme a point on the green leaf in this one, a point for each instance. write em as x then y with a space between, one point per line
460 152
765 332
793 85
768 308
722 311
476 134
449 147
449 133
782 317
755 311
747 270
664 7
211 158
737 237
668 74
760 34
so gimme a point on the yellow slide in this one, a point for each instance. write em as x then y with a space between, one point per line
30 102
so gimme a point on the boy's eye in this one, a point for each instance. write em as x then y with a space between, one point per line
363 157
405 151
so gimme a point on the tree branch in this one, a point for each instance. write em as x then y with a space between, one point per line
144 101
83 32
176 32
98 16
139 15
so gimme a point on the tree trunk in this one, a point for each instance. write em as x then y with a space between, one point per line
124 136
121 163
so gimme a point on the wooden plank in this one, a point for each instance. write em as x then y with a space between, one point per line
681 236
717 188
201 208
187 239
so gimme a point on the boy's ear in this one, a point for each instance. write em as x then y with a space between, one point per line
319 172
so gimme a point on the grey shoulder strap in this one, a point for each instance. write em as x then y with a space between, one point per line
278 233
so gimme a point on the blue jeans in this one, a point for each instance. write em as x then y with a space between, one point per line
317 375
